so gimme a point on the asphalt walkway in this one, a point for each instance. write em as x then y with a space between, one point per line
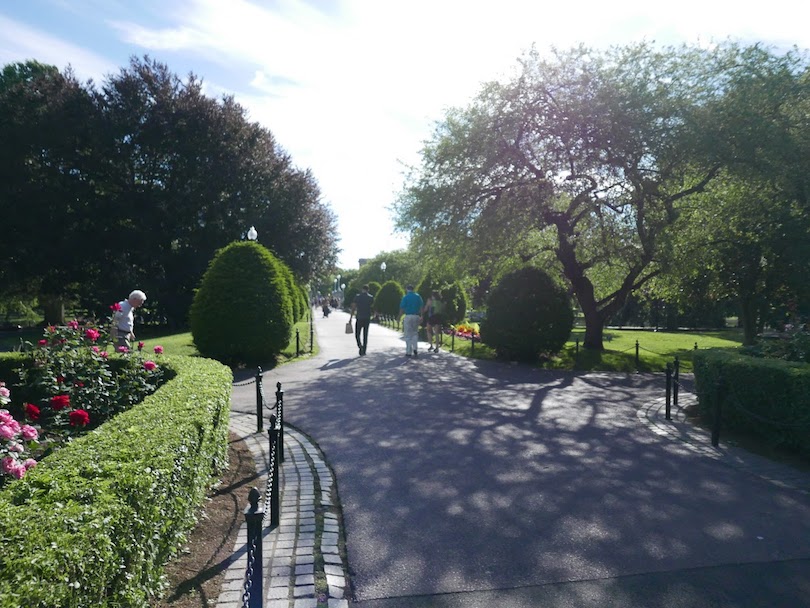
468 483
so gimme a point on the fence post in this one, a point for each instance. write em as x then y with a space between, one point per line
696 346
676 382
273 436
311 333
280 419
472 346
297 342
637 362
254 516
718 396
453 340
259 401
576 349
669 390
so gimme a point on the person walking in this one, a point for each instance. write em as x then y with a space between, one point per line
124 319
361 308
411 306
433 312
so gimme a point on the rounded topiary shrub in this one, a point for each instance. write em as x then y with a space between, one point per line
243 311
455 303
388 298
528 316
374 287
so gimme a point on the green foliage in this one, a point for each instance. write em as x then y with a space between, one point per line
374 288
242 312
388 298
455 303
769 398
402 266
528 315
110 508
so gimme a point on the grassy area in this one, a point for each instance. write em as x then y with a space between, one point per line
655 349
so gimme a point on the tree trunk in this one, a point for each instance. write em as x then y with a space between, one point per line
53 308
748 318
594 326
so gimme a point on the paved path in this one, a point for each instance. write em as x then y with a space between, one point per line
470 483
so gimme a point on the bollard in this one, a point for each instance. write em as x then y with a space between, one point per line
637 361
576 348
718 396
297 342
280 419
676 374
254 516
472 346
453 340
669 390
259 401
311 333
273 436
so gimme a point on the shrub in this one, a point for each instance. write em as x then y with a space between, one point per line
374 288
93 524
528 315
388 298
455 303
769 398
243 311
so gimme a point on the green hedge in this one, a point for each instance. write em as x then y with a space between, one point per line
767 397
94 523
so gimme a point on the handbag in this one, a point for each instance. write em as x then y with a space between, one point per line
349 328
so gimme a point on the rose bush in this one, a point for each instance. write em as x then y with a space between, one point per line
16 441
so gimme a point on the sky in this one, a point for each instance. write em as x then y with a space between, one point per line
352 89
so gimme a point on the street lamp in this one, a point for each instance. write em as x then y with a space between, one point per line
252 235
383 267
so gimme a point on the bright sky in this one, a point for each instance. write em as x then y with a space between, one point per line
351 88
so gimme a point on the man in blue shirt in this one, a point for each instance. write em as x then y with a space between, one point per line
362 308
411 306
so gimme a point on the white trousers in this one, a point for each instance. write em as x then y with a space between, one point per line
410 325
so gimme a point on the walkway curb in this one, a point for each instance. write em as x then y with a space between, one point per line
305 552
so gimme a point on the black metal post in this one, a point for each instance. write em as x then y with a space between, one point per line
311 333
259 401
676 374
669 391
472 346
254 515
273 435
637 362
297 342
453 341
696 346
718 413
280 419
576 348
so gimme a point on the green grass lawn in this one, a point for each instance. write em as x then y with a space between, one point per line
655 349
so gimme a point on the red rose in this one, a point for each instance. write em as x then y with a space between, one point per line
31 411
60 402
79 418
115 307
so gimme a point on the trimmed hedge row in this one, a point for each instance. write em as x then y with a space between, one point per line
767 397
94 523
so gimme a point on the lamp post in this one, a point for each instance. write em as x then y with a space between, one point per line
252 235
383 267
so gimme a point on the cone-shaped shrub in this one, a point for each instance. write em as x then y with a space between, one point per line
243 311
528 316
388 298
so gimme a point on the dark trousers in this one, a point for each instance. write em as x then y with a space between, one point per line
361 324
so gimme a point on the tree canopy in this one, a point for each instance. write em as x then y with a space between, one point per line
138 182
581 163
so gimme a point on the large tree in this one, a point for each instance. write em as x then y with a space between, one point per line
584 154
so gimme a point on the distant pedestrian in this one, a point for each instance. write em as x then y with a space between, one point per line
411 306
124 319
361 307
434 308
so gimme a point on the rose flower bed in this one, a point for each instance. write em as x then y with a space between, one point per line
118 482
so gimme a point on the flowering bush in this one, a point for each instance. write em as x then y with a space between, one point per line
73 385
463 330
16 441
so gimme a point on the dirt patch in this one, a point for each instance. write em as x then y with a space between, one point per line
195 576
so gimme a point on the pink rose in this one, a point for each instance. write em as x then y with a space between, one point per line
92 334
5 417
95 349
116 307
13 446
7 464
73 324
123 349
158 350
141 345
6 432
18 471
4 392
30 463
103 354
29 433
149 365
43 342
